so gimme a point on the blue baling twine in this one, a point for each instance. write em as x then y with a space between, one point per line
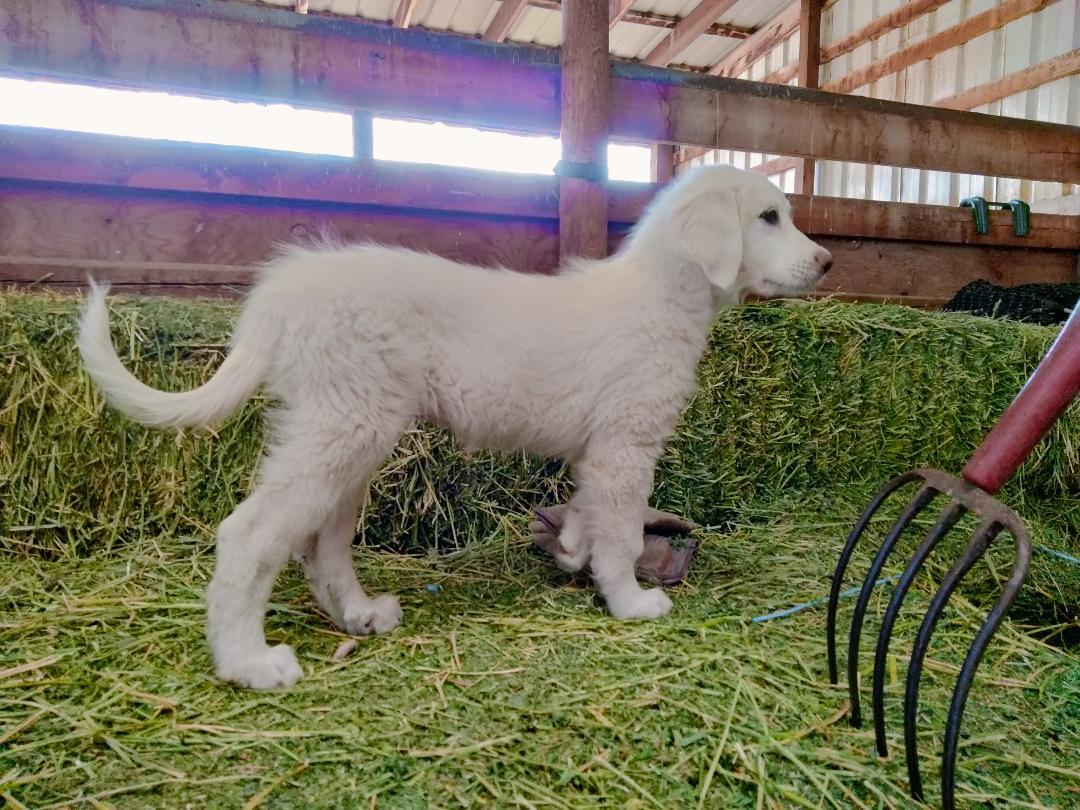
780 614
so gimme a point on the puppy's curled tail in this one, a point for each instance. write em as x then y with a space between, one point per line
223 395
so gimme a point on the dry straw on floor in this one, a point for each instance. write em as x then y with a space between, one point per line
505 685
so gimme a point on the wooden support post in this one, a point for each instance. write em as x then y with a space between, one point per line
809 75
584 129
663 162
363 136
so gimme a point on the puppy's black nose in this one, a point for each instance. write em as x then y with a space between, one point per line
824 259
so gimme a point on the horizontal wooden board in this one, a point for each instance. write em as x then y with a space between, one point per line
214 171
923 274
56 235
232 49
119 228
135 163
838 216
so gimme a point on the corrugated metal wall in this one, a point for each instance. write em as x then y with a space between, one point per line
1035 38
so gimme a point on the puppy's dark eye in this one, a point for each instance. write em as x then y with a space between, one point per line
772 216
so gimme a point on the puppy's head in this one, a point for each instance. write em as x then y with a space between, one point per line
736 227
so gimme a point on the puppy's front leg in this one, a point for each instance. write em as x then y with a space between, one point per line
613 492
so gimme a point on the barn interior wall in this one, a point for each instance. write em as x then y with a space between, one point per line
1050 32
187 217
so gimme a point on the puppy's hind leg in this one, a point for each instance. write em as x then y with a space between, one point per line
327 562
302 484
614 486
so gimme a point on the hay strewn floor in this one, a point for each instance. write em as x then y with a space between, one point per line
506 685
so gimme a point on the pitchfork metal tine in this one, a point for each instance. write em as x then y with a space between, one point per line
917 504
845 556
949 517
971 661
974 550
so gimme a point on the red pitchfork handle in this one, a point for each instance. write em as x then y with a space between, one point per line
1045 396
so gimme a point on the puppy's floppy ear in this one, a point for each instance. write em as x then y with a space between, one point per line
711 236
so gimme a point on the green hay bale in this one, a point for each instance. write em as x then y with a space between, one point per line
510 686
793 398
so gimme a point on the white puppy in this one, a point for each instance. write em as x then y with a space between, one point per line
593 365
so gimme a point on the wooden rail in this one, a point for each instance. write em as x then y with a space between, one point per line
231 49
154 216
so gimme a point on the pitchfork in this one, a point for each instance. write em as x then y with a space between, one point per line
1053 385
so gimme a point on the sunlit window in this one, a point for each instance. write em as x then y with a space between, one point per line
282 127
464 147
170 117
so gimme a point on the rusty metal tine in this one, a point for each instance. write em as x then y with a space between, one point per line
950 514
917 504
845 557
974 655
974 550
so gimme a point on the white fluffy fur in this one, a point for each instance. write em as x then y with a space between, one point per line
592 365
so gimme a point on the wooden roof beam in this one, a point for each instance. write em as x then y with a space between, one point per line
689 28
717 29
617 9
505 18
404 13
208 49
782 26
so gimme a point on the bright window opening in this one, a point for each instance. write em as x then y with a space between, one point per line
281 127
169 117
464 147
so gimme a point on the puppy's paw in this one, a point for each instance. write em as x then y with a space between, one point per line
640 604
271 668
379 615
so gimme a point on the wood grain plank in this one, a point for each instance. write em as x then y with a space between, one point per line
233 49
505 19
43 155
617 9
583 220
689 28
404 12
778 29
809 76
930 274
54 235
897 18
65 225
1000 15
1027 79
838 216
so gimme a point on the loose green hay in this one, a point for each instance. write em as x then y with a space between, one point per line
506 686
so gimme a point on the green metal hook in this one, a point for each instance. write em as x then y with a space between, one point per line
1021 214
981 210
